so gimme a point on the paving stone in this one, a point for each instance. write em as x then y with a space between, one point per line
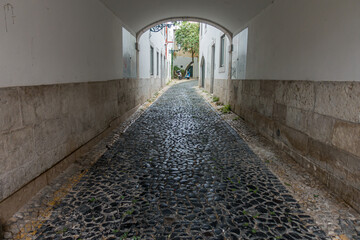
178 170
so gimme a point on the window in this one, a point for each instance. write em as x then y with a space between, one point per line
151 60
157 63
222 51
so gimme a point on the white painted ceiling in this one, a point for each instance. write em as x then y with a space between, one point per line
230 14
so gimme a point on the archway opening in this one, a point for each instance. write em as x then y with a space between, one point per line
158 38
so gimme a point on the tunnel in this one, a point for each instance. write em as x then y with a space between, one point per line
73 71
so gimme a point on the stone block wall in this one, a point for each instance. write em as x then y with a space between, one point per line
42 125
220 88
317 123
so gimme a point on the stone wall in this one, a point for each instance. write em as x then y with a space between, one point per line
317 123
42 125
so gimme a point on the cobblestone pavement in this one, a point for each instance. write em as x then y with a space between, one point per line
179 172
331 214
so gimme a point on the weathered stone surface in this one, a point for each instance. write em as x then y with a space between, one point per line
10 117
339 100
265 106
3 154
299 94
19 149
341 187
297 119
251 87
346 136
355 200
49 134
320 127
279 113
264 125
178 172
44 124
12 180
39 103
306 115
294 138
316 152
267 89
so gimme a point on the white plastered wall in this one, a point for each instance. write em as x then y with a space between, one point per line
52 41
306 40
129 55
157 41
209 37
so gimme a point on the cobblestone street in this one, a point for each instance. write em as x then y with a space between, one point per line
179 172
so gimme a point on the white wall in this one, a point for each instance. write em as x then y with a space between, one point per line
306 40
239 55
54 41
209 37
157 41
129 55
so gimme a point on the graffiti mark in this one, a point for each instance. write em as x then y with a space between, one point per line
9 12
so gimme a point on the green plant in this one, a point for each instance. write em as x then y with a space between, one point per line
278 237
244 212
92 199
287 184
236 118
176 68
129 212
226 109
272 213
187 35
62 230
254 190
253 231
216 99
124 236
246 224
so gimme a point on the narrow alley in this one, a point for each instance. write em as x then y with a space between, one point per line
138 119
179 172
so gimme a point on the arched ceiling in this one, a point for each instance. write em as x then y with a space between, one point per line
230 14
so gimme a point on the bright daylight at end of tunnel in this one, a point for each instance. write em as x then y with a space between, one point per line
205 119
